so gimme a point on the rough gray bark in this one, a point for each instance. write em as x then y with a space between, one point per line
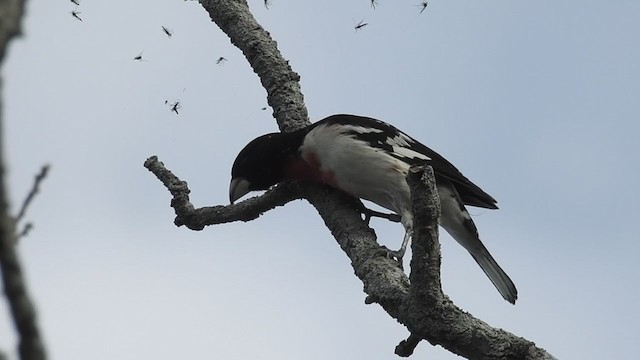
416 301
23 313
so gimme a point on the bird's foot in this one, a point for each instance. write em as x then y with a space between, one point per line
368 214
392 254
397 254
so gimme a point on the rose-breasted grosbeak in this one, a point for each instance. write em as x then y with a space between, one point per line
369 159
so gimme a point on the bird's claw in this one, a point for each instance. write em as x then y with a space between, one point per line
368 214
392 254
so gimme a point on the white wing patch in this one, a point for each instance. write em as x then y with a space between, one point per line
359 129
400 140
401 144
358 168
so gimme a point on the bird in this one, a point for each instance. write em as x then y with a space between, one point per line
369 159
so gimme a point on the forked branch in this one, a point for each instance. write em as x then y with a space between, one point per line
21 307
416 301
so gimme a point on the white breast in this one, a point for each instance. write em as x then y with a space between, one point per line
358 169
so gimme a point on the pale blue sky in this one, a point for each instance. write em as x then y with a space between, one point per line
536 102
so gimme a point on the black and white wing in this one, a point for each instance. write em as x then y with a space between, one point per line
388 138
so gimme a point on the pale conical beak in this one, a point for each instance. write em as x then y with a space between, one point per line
238 188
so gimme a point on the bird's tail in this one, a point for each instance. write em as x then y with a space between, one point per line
498 277
458 223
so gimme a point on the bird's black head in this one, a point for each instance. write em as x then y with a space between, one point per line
262 163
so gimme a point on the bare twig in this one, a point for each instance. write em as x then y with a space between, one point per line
22 309
197 219
34 191
25 231
30 346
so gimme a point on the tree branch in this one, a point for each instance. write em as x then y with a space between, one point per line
10 16
419 304
25 204
197 219
23 313
32 193
427 312
22 309
416 302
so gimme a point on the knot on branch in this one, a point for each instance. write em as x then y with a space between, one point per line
406 347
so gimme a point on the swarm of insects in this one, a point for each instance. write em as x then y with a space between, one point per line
75 13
